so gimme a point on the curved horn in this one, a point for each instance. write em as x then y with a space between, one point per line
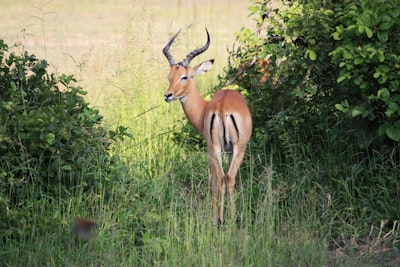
196 52
166 48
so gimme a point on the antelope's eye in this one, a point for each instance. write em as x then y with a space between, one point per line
184 77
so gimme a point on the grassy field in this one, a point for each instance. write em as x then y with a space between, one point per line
115 48
159 212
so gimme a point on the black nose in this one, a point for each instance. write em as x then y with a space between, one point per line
167 97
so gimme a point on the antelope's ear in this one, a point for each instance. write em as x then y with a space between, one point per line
202 67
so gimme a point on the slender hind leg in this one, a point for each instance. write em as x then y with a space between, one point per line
235 161
217 183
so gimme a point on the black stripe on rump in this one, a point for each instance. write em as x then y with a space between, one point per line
234 124
211 126
223 131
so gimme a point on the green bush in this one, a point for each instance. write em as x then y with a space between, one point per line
322 82
333 68
367 55
51 140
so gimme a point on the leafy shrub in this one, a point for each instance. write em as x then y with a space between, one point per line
367 55
321 79
333 68
51 140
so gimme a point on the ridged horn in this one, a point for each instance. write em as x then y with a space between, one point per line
166 49
196 52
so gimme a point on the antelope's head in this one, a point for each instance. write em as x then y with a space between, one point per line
181 75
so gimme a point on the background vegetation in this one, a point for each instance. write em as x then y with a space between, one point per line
319 185
314 69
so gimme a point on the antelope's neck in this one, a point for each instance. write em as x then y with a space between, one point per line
194 106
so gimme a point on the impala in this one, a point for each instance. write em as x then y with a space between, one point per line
225 122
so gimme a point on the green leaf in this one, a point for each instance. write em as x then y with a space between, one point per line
336 36
383 36
358 60
381 57
341 79
383 93
254 8
344 106
360 28
369 32
383 79
382 129
385 26
339 29
9 106
312 90
312 55
384 68
13 87
393 106
357 111
50 138
393 132
358 80
347 55
364 85
341 108
351 27
66 167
